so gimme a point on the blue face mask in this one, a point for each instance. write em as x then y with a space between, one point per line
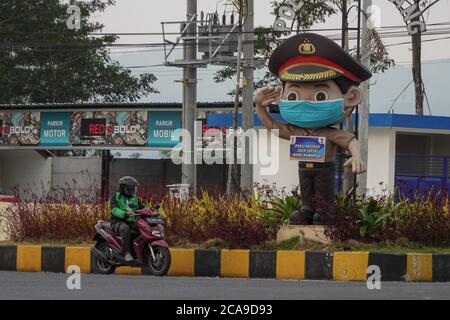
312 114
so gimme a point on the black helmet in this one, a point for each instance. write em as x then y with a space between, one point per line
128 185
128 181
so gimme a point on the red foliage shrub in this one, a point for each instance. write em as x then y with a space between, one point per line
70 215
67 215
237 222
423 220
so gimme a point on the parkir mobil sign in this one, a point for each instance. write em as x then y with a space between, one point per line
164 129
111 128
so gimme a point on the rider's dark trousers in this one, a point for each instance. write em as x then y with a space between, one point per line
124 230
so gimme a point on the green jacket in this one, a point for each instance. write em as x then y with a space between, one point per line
119 205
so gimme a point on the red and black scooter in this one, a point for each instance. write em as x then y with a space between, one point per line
149 248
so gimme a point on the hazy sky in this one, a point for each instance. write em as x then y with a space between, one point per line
147 15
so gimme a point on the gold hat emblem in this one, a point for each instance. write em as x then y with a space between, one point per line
306 48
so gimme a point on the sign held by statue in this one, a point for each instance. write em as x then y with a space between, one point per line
308 148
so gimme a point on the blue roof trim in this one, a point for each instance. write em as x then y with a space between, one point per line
409 121
375 120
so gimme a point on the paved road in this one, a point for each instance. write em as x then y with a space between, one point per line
23 285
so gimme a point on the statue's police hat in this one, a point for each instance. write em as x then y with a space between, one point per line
310 57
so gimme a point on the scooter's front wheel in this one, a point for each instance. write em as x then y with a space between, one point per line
160 264
101 266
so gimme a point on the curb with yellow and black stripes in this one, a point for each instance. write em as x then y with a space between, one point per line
300 265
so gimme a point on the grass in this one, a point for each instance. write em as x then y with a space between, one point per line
352 245
52 244
394 248
290 244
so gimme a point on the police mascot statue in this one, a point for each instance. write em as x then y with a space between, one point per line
319 89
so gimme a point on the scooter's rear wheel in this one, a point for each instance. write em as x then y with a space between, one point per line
101 266
161 264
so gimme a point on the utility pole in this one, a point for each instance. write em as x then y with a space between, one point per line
416 40
189 114
345 43
364 111
106 161
348 174
247 96
234 180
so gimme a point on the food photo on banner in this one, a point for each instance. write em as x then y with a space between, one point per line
3 128
127 128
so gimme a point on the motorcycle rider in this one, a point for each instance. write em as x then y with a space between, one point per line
122 204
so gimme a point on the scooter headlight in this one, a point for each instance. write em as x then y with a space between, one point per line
157 233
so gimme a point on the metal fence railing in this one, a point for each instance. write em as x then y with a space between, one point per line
421 174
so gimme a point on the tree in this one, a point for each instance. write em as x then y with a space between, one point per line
42 61
380 60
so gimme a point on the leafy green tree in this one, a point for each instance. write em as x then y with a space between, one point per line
42 60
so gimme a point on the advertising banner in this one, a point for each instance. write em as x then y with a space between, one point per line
3 129
20 128
308 148
107 129
88 128
127 128
163 129
55 128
